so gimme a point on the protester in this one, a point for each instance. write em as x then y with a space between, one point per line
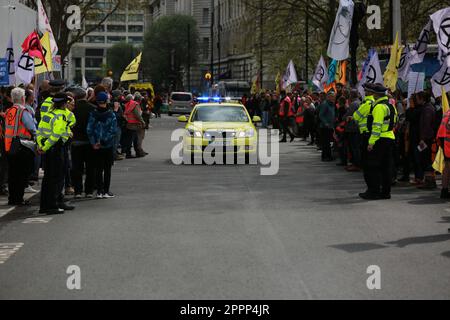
20 147
101 130
82 153
327 119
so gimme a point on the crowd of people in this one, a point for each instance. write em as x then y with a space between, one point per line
74 135
385 135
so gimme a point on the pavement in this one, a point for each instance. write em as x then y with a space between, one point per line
226 232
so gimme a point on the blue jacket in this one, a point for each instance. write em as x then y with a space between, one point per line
327 115
102 128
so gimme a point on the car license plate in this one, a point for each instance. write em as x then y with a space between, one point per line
221 143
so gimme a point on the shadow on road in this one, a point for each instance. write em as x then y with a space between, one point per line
402 243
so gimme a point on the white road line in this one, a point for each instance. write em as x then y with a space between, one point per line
37 220
7 250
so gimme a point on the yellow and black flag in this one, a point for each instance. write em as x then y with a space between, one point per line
132 71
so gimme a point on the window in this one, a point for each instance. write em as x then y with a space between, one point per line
95 39
135 39
205 48
205 16
117 17
116 39
135 28
94 53
77 63
135 17
117 28
95 28
93 62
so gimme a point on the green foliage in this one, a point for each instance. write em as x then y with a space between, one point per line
165 51
119 57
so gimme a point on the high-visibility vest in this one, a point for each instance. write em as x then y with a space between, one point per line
129 113
282 112
444 133
382 120
300 117
14 126
46 106
53 128
361 115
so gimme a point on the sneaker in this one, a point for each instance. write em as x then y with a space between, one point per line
99 196
78 196
31 190
109 195
90 196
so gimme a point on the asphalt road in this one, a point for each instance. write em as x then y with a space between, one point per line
226 232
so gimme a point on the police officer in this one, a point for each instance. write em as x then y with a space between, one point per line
53 135
55 87
361 117
380 125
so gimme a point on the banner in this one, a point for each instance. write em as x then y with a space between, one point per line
421 47
290 77
56 62
39 66
4 72
132 71
339 45
25 68
441 80
416 81
84 83
32 46
441 25
372 73
332 72
9 56
321 75
404 66
44 27
391 74
341 74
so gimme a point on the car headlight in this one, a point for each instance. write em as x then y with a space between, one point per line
194 133
247 134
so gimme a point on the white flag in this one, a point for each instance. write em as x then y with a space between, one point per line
372 74
25 69
44 26
290 76
405 64
416 82
441 25
84 83
421 47
9 56
441 80
339 46
321 74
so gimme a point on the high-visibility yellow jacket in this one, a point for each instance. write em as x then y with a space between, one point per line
382 126
54 127
361 115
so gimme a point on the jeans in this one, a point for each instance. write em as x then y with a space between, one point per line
103 164
265 122
82 161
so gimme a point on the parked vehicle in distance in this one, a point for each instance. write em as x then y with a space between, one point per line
181 103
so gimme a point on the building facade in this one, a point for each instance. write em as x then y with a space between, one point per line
200 10
88 57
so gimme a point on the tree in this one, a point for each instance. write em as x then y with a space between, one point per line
166 52
97 12
119 57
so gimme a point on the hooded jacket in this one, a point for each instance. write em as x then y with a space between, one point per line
102 128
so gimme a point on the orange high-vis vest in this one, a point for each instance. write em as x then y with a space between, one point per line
444 133
282 112
14 126
129 113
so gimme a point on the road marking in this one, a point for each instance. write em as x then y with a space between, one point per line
7 250
4 212
37 220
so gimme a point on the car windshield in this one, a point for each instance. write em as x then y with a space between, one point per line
220 114
181 97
